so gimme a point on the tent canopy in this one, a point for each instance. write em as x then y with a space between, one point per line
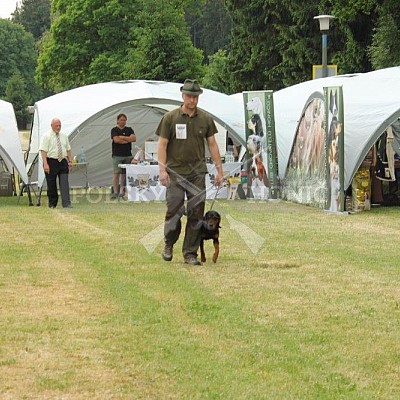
10 144
88 113
371 104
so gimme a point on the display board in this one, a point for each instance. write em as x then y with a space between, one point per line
143 181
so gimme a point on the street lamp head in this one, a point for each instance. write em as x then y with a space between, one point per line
324 21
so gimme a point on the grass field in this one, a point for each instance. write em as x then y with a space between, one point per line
301 304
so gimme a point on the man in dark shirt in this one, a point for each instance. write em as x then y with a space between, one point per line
122 137
183 133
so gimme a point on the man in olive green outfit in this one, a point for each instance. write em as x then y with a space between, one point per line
181 158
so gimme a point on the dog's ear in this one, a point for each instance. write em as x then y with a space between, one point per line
219 219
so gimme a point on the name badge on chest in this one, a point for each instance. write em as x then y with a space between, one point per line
180 131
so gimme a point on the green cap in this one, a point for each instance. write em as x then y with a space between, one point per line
191 87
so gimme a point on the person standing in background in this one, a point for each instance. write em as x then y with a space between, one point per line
122 137
56 155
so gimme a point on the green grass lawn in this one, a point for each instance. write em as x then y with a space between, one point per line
300 305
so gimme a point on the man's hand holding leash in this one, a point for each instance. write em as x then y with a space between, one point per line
214 151
164 178
162 161
219 178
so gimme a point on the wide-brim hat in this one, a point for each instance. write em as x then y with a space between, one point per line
191 87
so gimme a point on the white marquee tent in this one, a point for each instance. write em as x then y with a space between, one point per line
371 104
10 144
88 113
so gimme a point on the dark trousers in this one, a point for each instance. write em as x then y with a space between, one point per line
194 187
60 170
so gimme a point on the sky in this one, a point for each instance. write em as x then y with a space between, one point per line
7 7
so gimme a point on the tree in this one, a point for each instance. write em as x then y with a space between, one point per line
88 42
351 33
274 43
163 49
253 48
298 42
385 47
17 55
92 41
217 73
210 25
34 16
267 44
18 96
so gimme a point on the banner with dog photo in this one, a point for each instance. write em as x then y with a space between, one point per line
261 160
305 179
335 199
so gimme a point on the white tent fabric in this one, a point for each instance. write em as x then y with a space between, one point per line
371 104
10 144
88 113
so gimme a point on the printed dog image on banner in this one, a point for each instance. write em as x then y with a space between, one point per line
258 172
333 161
258 183
257 120
335 149
305 180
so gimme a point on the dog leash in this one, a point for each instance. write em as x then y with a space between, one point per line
213 200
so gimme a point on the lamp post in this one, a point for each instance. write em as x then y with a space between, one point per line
324 28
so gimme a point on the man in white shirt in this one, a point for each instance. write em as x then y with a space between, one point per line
56 155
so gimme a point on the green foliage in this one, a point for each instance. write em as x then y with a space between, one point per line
17 94
351 58
163 49
385 47
92 41
34 16
17 55
275 44
210 25
351 34
88 42
267 44
217 73
254 48
298 42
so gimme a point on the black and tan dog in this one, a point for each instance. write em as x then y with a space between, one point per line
210 230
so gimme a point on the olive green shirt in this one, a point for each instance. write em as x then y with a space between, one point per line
186 140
